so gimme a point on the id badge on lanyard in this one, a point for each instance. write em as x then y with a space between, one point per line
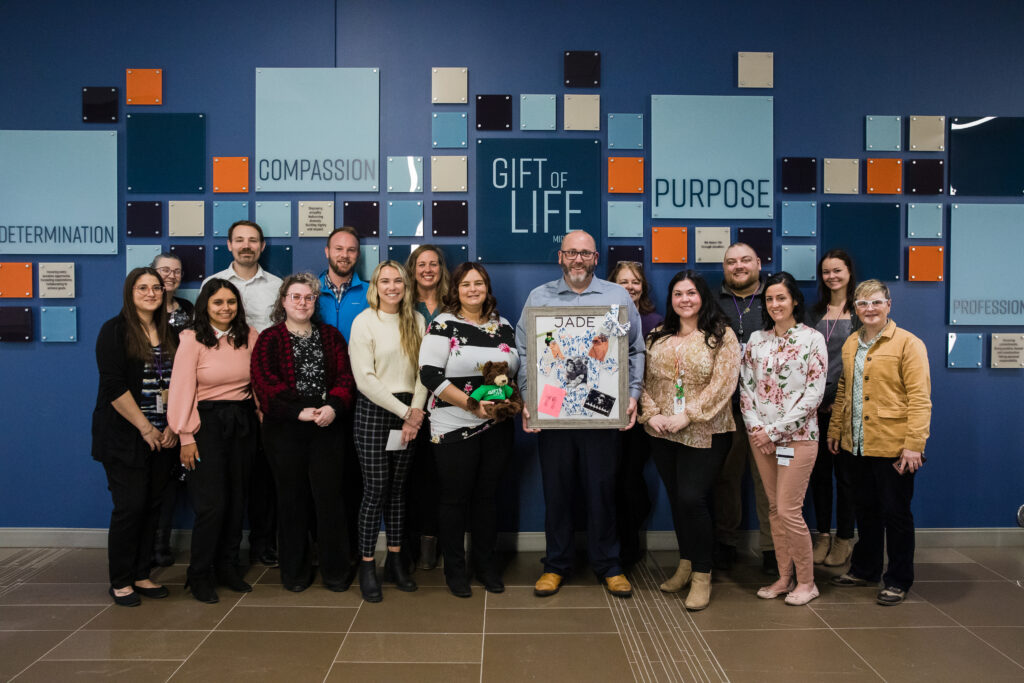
784 455
679 399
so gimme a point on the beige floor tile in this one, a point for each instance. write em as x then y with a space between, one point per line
954 571
19 649
734 607
80 565
562 657
554 620
411 647
430 578
976 603
118 671
170 576
297 619
569 596
1008 562
428 610
128 645
941 555
273 594
787 656
864 615
271 657
344 672
58 594
178 612
1007 639
31 618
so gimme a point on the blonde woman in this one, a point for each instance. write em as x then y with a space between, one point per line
384 349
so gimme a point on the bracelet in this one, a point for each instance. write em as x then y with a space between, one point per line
408 414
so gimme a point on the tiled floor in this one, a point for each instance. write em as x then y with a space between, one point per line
963 620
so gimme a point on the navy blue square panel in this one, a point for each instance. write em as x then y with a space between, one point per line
924 176
15 324
363 216
449 218
276 258
193 261
799 175
494 112
582 69
625 252
166 153
986 156
760 240
870 234
144 219
99 104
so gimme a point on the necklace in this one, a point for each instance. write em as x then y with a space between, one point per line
829 330
747 301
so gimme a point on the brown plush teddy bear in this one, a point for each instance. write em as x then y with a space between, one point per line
497 388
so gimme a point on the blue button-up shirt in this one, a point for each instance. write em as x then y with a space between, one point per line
341 312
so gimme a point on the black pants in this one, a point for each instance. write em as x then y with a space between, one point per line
225 442
885 521
308 463
820 488
352 482
468 472
262 504
690 475
632 495
423 489
136 493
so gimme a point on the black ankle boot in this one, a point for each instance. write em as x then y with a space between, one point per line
162 555
229 576
394 571
368 584
202 588
458 584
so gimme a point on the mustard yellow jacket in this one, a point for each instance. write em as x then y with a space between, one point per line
897 395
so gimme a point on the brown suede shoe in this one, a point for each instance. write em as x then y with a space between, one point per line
618 586
547 584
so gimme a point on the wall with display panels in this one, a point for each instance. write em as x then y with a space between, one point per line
853 96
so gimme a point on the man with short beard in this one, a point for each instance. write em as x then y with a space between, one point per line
342 293
587 456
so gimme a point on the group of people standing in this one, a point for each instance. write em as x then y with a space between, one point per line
350 403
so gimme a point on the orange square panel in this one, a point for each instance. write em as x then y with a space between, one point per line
144 86
668 245
885 176
230 174
15 280
625 174
926 264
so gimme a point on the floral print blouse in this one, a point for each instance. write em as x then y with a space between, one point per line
782 382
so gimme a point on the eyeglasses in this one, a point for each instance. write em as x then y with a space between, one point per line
874 303
168 271
574 254
299 298
146 289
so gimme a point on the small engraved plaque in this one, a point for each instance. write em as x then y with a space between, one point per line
1007 351
316 219
56 280
711 243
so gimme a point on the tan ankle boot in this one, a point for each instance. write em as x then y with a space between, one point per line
840 552
700 591
822 543
679 579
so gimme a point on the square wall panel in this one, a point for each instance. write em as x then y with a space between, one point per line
985 156
755 69
15 324
800 261
405 174
1006 351
369 258
799 219
761 240
625 174
924 176
799 175
883 133
581 112
625 131
140 256
870 233
925 264
226 213
620 252
230 174
275 218
964 350
144 219
144 86
448 174
166 153
316 219
449 130
985 246
186 219
56 280
193 261
449 218
449 85
885 176
537 112
668 245
842 176
16 280
927 133
99 104
363 216
58 324
405 218
625 219
494 112
582 69
453 254
710 243
924 221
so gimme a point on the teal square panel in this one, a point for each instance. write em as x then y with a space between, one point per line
166 153
537 112
226 213
369 257
449 130
625 219
924 221
800 261
405 174
405 218
140 255
985 244
883 133
870 234
276 258
963 350
58 324
799 219
275 218
625 131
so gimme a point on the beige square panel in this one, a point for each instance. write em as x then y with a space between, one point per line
56 280
448 174
756 70
842 176
710 243
928 133
582 112
449 85
186 219
316 219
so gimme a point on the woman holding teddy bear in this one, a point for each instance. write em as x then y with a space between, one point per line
467 360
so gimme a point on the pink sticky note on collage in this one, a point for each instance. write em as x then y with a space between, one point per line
550 402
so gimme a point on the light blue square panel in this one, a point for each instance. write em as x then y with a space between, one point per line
799 219
625 219
275 218
883 133
537 112
405 174
800 261
369 257
985 244
963 350
449 130
405 218
140 255
58 324
924 221
226 213
625 131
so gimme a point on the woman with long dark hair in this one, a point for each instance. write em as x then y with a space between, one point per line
693 363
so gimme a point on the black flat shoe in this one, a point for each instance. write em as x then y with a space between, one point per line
230 578
492 583
459 586
202 589
394 571
268 558
155 593
130 600
296 587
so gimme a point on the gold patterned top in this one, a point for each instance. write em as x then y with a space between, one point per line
709 377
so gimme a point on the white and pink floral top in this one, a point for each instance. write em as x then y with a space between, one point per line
782 382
